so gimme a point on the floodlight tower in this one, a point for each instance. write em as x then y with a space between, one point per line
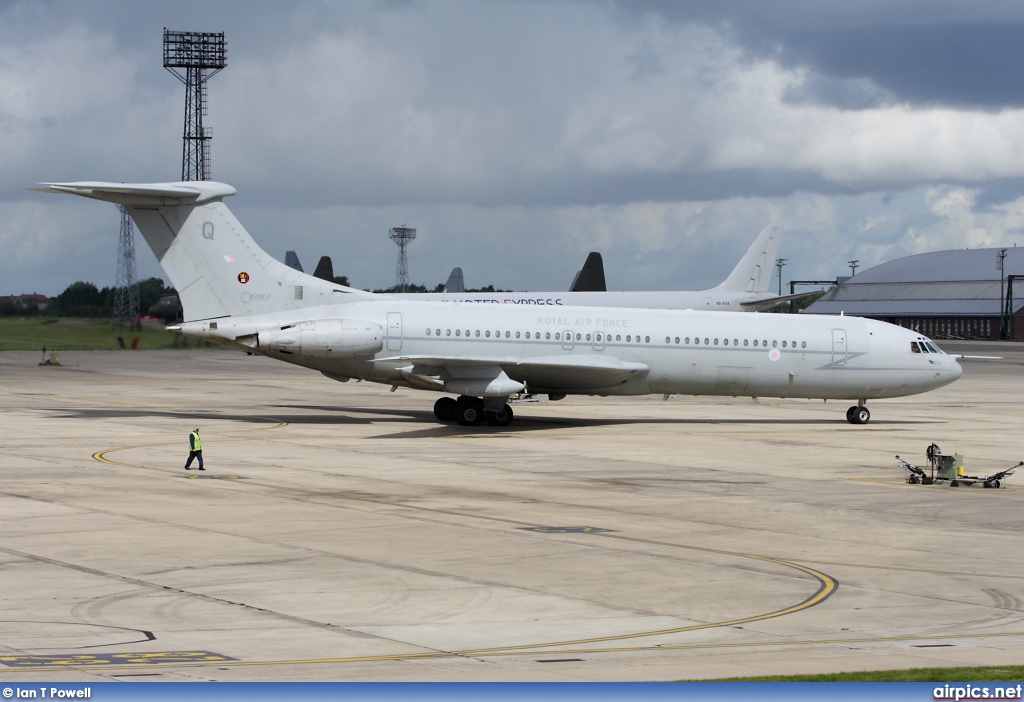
402 236
126 287
201 55
779 263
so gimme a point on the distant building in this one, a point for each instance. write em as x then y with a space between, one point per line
943 293
21 302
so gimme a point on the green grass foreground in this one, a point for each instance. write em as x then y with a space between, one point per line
1010 674
32 334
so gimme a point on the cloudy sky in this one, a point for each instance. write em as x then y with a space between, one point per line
518 136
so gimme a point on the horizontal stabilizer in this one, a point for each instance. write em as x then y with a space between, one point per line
144 195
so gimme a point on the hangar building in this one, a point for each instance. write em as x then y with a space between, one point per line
943 293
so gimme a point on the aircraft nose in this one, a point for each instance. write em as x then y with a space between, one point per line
955 369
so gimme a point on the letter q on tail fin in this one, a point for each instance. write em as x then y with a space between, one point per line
753 273
213 263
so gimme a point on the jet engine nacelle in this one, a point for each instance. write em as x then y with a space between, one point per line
327 338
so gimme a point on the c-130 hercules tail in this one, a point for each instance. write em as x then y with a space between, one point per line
234 293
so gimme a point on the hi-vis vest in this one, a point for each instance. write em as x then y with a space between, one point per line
197 443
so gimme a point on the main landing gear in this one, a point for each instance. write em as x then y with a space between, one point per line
858 414
471 411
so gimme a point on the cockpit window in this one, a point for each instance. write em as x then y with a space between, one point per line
914 347
932 348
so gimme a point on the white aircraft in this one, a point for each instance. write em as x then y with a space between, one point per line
234 293
745 290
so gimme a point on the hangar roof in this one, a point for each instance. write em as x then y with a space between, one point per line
960 282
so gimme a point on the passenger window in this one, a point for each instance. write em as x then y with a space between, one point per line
618 337
686 340
447 332
588 337
488 333
746 342
677 339
706 342
774 343
628 337
458 332
716 342
517 335
508 334
735 342
783 344
755 342
647 339
668 340
428 332
598 337
578 336
725 341
438 332
467 332
792 344
527 335
764 342
558 336
803 344
547 335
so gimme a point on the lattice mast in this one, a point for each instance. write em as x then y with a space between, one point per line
126 286
201 55
402 236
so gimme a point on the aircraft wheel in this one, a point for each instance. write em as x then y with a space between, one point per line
992 484
469 411
954 483
501 418
444 409
861 415
913 480
849 415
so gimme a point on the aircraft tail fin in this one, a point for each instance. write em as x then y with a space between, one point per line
456 283
216 267
753 273
291 259
324 269
590 278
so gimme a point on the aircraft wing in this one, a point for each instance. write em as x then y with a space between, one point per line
548 372
770 302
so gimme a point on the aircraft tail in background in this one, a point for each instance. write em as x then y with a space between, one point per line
590 278
753 274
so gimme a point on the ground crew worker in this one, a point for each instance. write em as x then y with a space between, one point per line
195 449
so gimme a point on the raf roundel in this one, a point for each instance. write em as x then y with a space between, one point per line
243 277
774 355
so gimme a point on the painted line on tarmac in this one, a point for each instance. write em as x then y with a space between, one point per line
507 654
826 584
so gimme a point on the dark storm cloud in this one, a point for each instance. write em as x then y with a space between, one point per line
974 65
869 53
